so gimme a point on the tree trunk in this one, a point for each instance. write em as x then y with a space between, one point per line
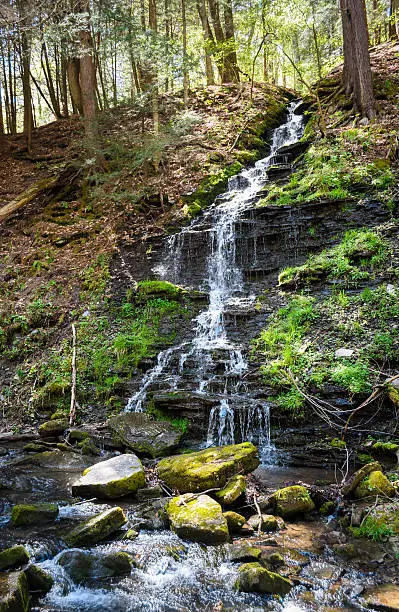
357 76
208 42
153 23
26 88
231 63
73 69
185 67
394 19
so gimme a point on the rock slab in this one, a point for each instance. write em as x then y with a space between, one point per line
97 528
33 514
255 578
197 518
145 437
116 477
209 468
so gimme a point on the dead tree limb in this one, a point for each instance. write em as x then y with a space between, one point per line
72 411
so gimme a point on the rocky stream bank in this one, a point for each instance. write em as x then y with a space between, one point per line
94 529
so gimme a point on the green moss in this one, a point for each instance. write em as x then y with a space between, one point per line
337 443
159 288
327 508
209 468
14 592
374 484
291 501
385 448
232 491
197 518
33 514
235 521
360 252
13 557
210 187
97 528
328 170
255 578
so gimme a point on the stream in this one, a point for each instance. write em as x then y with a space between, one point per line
169 574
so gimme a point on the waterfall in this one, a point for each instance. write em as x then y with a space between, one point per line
235 416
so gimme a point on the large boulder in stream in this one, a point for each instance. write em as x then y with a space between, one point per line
116 477
208 469
97 528
81 565
33 514
292 501
255 578
145 437
38 580
198 518
13 557
348 488
14 592
53 429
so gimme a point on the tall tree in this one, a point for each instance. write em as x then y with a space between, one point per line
357 76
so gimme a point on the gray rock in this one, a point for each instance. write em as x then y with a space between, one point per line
81 565
38 580
13 557
116 477
197 518
343 352
14 592
142 435
97 528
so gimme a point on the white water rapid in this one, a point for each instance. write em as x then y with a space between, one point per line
234 415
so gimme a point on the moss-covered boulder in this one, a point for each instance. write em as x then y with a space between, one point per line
374 484
33 514
87 447
82 566
39 581
292 501
266 522
116 477
14 592
197 518
97 528
13 557
244 553
53 428
235 521
145 437
209 468
253 578
349 487
232 491
36 447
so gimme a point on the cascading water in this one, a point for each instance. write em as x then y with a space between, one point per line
235 415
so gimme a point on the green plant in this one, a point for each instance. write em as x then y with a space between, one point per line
374 528
352 376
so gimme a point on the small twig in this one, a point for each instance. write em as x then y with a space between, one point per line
183 502
260 515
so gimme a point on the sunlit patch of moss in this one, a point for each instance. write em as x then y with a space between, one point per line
328 171
360 252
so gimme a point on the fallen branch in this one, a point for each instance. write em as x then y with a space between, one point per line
28 196
375 395
72 411
183 502
66 177
259 513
